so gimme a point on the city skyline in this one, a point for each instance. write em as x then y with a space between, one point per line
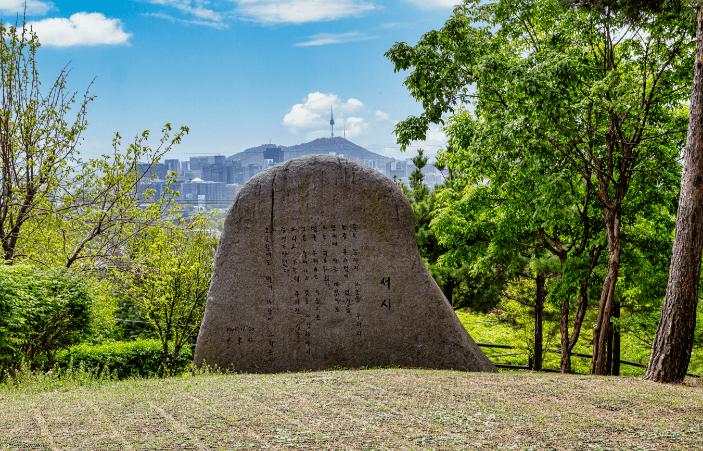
237 73
213 181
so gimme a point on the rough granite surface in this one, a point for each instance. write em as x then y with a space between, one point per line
318 267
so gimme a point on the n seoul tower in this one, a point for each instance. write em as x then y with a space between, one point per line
332 120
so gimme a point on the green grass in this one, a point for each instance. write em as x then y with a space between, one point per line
385 409
632 349
369 409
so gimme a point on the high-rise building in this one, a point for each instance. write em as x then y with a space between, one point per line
274 153
159 169
173 165
395 168
196 163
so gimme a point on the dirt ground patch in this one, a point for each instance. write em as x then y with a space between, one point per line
395 409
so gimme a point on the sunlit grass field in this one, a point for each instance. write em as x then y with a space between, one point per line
351 409
483 330
389 409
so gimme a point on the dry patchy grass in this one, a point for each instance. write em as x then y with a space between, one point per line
394 409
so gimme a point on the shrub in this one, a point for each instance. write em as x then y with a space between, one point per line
41 312
140 358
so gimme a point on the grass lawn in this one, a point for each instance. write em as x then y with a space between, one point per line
371 409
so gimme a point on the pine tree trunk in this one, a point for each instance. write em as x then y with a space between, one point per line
615 371
609 353
565 366
539 310
671 349
567 344
607 298
448 290
164 359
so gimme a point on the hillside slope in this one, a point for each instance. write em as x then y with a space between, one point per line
338 145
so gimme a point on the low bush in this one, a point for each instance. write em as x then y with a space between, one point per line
41 312
140 358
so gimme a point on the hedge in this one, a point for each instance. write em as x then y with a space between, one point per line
140 358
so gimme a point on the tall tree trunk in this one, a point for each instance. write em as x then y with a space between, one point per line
600 331
615 371
539 311
567 344
671 349
565 365
448 289
164 359
609 355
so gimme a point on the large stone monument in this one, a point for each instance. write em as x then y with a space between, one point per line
318 267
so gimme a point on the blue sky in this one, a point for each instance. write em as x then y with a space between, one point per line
238 73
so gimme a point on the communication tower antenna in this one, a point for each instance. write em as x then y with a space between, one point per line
345 129
332 120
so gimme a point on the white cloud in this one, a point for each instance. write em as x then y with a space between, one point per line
327 38
310 136
194 7
207 23
436 4
381 116
434 139
314 112
301 117
355 126
34 7
436 136
301 11
80 29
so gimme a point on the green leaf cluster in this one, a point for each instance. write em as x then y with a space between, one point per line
139 358
168 277
42 312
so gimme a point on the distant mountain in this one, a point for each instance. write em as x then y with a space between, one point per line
338 145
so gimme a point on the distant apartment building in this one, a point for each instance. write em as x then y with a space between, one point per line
274 153
160 170
395 168
173 165
188 192
215 179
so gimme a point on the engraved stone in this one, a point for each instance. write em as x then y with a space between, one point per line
318 267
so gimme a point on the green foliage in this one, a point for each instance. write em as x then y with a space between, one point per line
101 208
57 209
567 140
459 285
132 322
42 313
139 358
510 329
168 280
518 308
37 138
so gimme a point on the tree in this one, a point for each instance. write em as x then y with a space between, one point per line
37 142
168 279
55 208
586 88
671 348
522 206
460 287
102 207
